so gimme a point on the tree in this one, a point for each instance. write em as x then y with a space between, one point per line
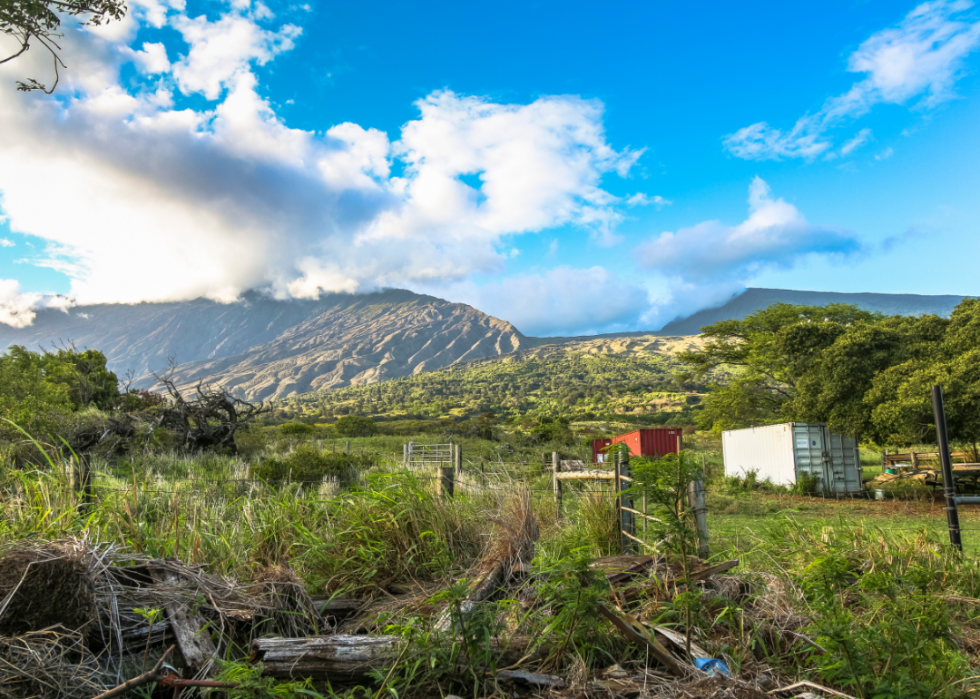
85 374
900 402
27 396
769 351
835 388
40 20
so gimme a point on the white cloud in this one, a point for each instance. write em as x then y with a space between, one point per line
19 309
227 197
6 243
641 199
860 138
918 59
152 58
885 154
711 260
222 50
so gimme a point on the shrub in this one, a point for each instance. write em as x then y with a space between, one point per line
306 463
355 426
805 484
294 428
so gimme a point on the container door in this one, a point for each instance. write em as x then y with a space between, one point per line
809 452
845 461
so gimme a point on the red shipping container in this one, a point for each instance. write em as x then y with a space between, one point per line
651 442
598 445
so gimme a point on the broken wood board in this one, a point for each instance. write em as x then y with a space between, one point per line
190 630
493 575
679 640
634 631
532 678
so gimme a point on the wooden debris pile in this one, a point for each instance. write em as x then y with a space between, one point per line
128 608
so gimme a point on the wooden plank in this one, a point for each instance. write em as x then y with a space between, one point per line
645 516
679 640
635 632
338 658
706 573
190 630
532 678
593 475
482 587
652 548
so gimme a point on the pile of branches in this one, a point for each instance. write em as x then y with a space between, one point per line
209 419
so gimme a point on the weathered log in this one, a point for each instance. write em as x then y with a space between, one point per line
345 658
335 658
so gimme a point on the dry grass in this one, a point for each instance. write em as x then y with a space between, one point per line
50 663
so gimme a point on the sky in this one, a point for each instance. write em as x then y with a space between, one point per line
571 168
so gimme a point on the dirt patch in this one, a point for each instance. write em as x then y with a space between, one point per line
46 587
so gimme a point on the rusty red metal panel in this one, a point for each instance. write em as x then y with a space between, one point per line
597 450
658 441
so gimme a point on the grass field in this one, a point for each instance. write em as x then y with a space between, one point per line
859 578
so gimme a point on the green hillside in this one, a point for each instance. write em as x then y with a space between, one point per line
621 378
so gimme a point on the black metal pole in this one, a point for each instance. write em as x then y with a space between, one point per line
949 487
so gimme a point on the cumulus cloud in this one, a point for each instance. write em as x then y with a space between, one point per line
6 243
918 60
165 202
710 261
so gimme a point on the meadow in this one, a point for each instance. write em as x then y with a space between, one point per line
861 596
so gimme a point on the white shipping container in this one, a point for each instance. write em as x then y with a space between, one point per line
784 452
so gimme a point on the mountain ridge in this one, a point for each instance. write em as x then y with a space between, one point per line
263 348
754 299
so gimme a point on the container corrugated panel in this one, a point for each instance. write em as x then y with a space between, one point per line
651 442
598 445
784 452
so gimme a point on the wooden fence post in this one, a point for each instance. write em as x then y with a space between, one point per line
695 498
556 482
915 460
627 522
444 481
83 482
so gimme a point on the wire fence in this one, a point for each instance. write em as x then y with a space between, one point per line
728 510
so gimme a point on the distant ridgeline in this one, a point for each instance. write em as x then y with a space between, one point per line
584 380
752 300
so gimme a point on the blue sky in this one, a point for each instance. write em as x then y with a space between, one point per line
569 169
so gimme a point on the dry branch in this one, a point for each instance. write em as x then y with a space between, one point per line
151 675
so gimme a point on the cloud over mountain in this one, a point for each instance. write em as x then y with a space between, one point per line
710 261
184 181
